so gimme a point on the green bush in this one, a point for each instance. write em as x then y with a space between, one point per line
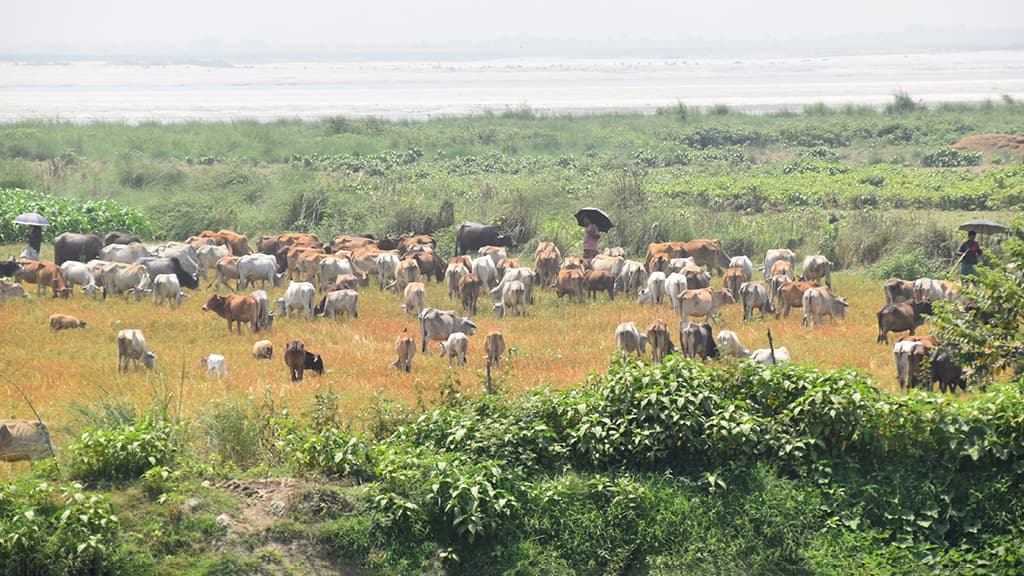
951 158
122 453
67 215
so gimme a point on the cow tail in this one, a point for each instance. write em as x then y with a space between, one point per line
423 333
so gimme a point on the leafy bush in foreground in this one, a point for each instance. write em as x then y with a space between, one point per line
122 452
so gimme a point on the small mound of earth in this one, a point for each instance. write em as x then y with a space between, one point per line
992 143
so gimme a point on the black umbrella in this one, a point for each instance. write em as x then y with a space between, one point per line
983 226
31 219
597 216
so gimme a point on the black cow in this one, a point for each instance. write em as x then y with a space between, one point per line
314 362
120 238
472 236
74 246
169 266
947 373
8 268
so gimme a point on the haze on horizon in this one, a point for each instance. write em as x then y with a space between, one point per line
527 27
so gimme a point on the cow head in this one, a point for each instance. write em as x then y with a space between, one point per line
215 302
922 308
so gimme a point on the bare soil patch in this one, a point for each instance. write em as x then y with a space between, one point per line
993 144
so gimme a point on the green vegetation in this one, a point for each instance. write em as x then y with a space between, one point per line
67 215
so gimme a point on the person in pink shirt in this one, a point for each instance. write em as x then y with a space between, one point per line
591 234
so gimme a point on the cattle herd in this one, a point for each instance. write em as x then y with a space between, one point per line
325 279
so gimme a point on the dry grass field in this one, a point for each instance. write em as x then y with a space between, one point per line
558 344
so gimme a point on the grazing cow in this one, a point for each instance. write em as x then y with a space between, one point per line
525 275
900 317
78 273
215 363
65 322
131 345
506 264
696 340
764 356
24 440
415 298
897 290
816 268
430 264
452 275
156 266
732 280
227 269
632 279
547 263
595 281
496 253
263 350
266 317
121 278
513 297
262 267
570 282
494 346
472 236
469 292
704 302
754 295
120 238
166 287
405 349
678 264
437 325
74 246
629 339
776 255
237 309
387 266
208 256
11 291
124 253
675 285
575 263
945 371
928 289
660 340
791 295
344 300
729 343
655 291
818 302
408 271
185 253
707 253
314 362
455 347
44 274
743 263
611 264
332 267
696 278
486 271
666 251
908 355
295 359
299 296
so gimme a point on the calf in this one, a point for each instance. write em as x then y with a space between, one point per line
595 281
570 282
295 359
131 345
166 287
945 371
629 339
494 345
215 363
11 291
899 317
24 440
437 325
263 350
513 297
729 343
226 269
65 322
818 302
405 349
314 362
469 293
408 271
455 348
769 357
415 298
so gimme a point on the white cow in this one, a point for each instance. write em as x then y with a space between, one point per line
754 295
387 264
486 271
208 256
513 298
77 273
495 253
262 267
119 278
131 345
436 325
729 343
743 263
928 289
298 296
632 278
215 363
655 291
185 253
331 268
455 348
340 301
820 302
166 287
525 275
775 255
629 339
763 356
266 316
675 285
24 440
415 296
677 264
123 253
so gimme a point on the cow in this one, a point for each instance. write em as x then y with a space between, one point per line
65 322
513 297
235 309
121 278
525 275
266 317
595 281
409 244
405 349
208 256
659 339
775 255
547 262
945 371
704 302
408 271
226 270
44 274
415 296
818 302
900 317
298 296
262 267
632 278
629 339
729 343
696 340
11 291
655 291
666 251
506 264
8 268
309 265
77 273
928 289
172 266
131 345
436 325
294 260
732 280
611 264
166 287
678 264
486 271
754 295
771 357
707 253
469 292
22 440
455 347
263 350
908 356
116 237
186 255
74 246
342 300
124 253
575 263
494 346
897 290
817 268
332 267
743 263
791 295
675 285
295 359
452 275
472 236
782 268
570 282
387 265
238 243
342 282
313 362
215 363
495 253
951 292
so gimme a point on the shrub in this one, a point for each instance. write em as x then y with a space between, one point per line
911 265
951 158
67 215
123 452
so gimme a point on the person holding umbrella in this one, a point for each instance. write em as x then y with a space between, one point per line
594 221
970 252
35 223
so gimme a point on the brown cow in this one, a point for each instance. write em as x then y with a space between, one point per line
791 295
595 281
897 290
782 268
575 263
295 359
570 282
660 340
707 253
407 243
238 243
24 440
696 340
235 308
704 302
469 292
405 348
65 322
430 264
731 281
44 274
227 269
547 267
899 317
507 264
667 250
696 278
494 345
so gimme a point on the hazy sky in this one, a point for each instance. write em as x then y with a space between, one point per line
193 26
